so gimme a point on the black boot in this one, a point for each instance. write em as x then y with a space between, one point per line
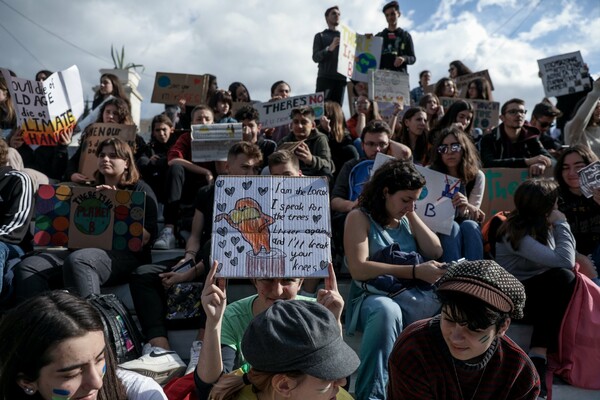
540 367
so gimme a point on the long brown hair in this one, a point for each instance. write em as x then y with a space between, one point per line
534 201
421 147
7 110
123 151
584 152
337 123
469 162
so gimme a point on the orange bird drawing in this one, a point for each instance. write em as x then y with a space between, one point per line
247 217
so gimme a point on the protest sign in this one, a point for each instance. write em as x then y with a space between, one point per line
368 54
212 142
79 217
345 65
564 74
462 82
278 112
589 178
271 226
389 86
486 114
169 88
236 105
46 109
434 206
96 133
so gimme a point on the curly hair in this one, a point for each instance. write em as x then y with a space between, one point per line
395 175
439 87
247 112
534 201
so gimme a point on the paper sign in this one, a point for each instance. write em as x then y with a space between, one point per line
169 88
345 65
462 82
96 133
389 86
79 217
290 146
212 142
278 112
564 74
46 109
434 206
268 226
486 114
589 178
368 54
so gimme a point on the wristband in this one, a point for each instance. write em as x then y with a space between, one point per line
414 272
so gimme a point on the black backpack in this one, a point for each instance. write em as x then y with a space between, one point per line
120 329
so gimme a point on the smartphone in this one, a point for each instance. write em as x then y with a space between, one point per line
186 266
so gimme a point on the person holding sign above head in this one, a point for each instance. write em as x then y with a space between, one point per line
319 364
326 47
385 222
464 353
455 155
85 270
225 326
398 50
309 145
584 127
184 177
149 282
512 144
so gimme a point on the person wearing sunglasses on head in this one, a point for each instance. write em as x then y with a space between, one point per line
513 144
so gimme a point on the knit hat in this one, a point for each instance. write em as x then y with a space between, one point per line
487 281
296 335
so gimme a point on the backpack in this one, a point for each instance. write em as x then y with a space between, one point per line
120 329
489 231
359 175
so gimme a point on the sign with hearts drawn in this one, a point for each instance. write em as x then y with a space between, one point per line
271 226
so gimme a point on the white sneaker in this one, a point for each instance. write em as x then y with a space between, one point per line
166 240
159 364
194 356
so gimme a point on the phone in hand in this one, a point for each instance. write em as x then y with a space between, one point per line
186 266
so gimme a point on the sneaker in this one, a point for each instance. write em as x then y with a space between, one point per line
159 364
166 240
194 356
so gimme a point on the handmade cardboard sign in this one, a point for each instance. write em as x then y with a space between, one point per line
169 88
564 74
79 217
434 206
367 56
345 65
486 114
271 226
278 112
389 86
236 105
212 142
589 178
96 133
46 109
462 82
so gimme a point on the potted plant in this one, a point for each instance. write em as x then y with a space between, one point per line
126 72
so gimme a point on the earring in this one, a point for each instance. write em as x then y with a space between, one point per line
29 391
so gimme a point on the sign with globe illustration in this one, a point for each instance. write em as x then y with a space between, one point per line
368 54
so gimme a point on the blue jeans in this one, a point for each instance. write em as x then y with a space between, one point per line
8 251
381 320
465 240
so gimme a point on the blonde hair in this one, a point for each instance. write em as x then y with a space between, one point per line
229 385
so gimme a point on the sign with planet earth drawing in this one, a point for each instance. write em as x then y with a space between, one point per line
367 56
271 226
78 217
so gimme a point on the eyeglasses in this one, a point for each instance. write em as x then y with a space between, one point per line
381 145
362 103
516 111
449 148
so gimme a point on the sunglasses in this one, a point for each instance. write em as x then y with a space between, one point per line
449 148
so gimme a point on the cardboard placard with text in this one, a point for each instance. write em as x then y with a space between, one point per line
46 109
278 112
169 88
96 133
367 56
564 74
462 82
486 114
345 65
78 217
271 226
212 142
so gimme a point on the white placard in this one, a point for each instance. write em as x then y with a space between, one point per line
278 112
564 74
212 142
389 86
345 65
367 56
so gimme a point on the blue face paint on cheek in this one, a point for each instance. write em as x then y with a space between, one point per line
60 394
104 370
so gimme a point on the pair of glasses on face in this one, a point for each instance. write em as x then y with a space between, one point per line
516 111
449 148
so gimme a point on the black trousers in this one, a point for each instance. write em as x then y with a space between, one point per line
333 89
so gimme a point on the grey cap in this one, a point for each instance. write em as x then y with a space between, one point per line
296 335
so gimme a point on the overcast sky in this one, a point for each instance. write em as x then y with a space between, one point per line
260 41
